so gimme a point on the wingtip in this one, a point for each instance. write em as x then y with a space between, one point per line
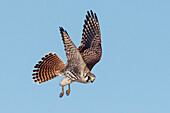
88 14
92 13
96 17
61 29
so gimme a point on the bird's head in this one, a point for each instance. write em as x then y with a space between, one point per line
89 77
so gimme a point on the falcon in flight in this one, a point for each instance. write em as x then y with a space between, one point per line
80 61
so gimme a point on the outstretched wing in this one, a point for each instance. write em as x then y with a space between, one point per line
90 47
74 58
47 69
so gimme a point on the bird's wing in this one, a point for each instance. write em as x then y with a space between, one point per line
90 47
47 69
74 58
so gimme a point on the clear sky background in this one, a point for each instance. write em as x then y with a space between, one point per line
133 75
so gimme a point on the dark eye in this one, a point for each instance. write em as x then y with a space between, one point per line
87 75
88 79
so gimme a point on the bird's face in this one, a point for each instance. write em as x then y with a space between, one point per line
89 77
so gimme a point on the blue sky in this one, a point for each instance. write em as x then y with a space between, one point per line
133 75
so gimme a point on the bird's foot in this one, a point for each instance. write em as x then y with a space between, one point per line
61 94
68 92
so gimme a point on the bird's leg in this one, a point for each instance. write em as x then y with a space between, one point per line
62 93
68 91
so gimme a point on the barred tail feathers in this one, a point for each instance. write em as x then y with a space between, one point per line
47 69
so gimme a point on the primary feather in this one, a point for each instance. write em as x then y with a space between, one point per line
90 48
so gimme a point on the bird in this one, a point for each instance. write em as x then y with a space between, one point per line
80 61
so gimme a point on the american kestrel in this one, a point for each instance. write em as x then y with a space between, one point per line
80 61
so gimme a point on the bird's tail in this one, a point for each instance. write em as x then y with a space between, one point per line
47 69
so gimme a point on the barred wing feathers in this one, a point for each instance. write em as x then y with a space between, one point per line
90 47
75 61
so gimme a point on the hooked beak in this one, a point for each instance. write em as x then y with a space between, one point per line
92 80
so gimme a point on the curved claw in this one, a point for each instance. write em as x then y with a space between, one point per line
61 94
68 92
